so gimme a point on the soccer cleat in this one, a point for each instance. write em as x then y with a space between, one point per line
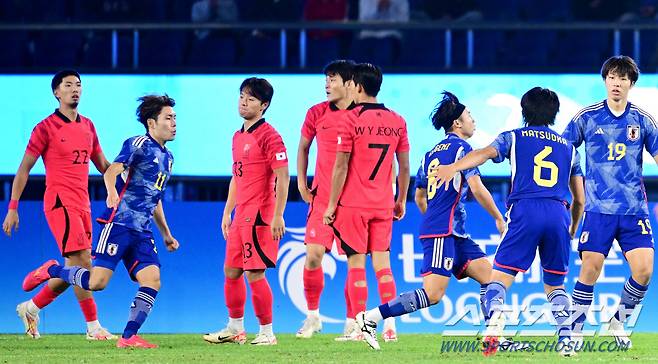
30 321
36 277
225 336
567 347
352 336
100 334
616 328
493 334
490 345
312 324
135 342
264 340
389 335
368 329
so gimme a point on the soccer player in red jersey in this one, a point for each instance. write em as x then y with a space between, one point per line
320 124
362 206
258 191
66 141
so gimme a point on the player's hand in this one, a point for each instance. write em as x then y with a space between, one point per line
573 228
226 225
278 226
329 215
443 175
112 199
11 222
399 210
171 243
500 226
305 192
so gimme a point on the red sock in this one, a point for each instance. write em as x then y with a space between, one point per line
235 293
358 295
261 297
44 297
348 302
386 289
88 307
313 285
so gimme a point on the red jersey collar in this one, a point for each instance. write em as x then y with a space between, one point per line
64 118
253 127
365 106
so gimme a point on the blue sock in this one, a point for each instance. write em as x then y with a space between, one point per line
494 297
582 296
139 310
485 313
631 296
561 309
75 275
406 302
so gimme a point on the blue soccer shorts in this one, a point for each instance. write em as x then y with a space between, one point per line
599 230
448 255
117 242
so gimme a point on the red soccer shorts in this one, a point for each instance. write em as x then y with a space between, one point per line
251 247
71 228
362 230
316 231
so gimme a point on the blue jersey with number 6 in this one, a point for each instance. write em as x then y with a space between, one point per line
142 184
542 162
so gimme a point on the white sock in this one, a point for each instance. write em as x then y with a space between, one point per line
236 324
374 315
32 309
349 325
93 325
389 323
315 313
266 330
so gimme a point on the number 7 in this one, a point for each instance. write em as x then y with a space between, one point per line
384 148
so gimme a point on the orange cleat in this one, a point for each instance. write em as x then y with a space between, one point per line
135 342
36 277
490 345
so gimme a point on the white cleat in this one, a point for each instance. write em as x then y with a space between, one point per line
622 338
225 336
312 324
100 334
568 347
31 322
264 340
368 329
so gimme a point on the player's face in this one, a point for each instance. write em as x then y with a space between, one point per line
335 88
165 127
69 91
617 86
250 107
467 124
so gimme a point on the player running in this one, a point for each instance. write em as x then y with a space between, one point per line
544 167
258 191
66 141
447 249
615 132
144 165
361 205
321 123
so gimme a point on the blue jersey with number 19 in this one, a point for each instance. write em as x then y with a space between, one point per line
542 162
142 184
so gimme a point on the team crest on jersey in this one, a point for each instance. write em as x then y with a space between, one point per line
447 263
112 249
584 237
633 132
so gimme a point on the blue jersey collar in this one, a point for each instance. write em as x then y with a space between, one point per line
628 107
164 149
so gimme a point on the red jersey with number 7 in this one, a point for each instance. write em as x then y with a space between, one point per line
372 134
66 147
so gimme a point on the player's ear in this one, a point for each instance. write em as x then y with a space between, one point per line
264 106
150 122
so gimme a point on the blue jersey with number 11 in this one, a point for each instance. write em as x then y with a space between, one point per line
542 162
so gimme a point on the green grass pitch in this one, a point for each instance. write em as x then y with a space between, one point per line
320 349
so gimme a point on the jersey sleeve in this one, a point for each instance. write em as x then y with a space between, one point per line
308 127
275 150
650 136
345 138
38 141
575 131
421 176
95 144
128 152
503 145
403 145
468 173
575 164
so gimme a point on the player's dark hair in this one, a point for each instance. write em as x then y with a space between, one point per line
622 66
446 111
59 76
342 67
369 77
539 106
259 88
150 107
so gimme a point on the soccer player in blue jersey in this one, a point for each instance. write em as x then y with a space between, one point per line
144 165
615 133
544 167
447 248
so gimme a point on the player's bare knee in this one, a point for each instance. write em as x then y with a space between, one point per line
435 294
313 261
254 275
642 275
232 273
97 283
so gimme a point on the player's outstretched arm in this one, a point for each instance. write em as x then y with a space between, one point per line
483 197
421 199
476 158
110 179
161 222
100 162
302 169
228 208
576 185
403 185
278 225
338 177
17 187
